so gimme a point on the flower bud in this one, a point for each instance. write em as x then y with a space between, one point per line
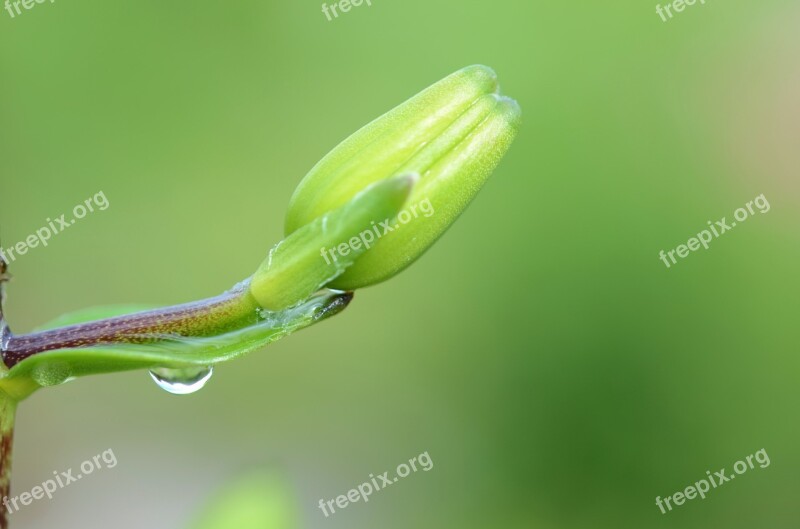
453 134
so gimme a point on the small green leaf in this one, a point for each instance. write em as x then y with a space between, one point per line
301 264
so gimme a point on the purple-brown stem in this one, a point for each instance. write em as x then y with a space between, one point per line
226 312
7 411
8 408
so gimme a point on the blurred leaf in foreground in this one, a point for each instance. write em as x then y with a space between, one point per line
257 500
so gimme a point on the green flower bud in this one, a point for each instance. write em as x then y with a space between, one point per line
453 134
321 250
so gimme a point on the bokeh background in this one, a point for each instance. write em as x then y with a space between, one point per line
558 374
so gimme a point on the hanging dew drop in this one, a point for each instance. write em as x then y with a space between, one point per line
182 381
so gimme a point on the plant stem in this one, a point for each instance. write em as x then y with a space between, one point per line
229 311
8 408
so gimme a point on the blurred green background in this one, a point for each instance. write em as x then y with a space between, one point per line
558 374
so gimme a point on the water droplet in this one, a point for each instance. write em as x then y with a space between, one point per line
182 381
